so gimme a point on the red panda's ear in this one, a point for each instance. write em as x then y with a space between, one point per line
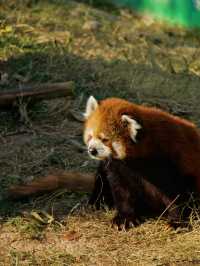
133 126
91 106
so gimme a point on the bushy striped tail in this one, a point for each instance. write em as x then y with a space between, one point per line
72 181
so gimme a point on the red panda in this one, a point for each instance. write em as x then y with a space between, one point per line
148 160
122 130
150 157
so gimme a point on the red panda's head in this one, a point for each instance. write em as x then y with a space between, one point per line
109 127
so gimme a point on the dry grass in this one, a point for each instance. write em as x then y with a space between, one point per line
123 55
88 239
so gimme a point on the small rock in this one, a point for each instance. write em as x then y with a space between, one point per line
91 25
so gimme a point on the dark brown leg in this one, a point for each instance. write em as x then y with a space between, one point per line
101 194
125 191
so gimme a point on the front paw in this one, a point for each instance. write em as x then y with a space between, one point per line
124 222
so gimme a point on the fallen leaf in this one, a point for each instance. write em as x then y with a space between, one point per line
71 235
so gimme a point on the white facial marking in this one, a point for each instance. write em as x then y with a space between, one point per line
119 149
91 106
88 133
103 151
133 126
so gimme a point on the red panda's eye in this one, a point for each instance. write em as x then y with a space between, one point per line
105 140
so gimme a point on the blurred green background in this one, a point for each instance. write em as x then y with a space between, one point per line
183 12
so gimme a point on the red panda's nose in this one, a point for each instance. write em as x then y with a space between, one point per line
93 151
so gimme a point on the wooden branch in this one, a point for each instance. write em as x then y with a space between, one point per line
36 93
72 181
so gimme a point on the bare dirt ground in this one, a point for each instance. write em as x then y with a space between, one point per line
107 52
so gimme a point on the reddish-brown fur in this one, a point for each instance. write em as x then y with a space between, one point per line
163 134
74 181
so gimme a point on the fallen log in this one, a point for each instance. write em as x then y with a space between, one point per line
72 181
35 93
